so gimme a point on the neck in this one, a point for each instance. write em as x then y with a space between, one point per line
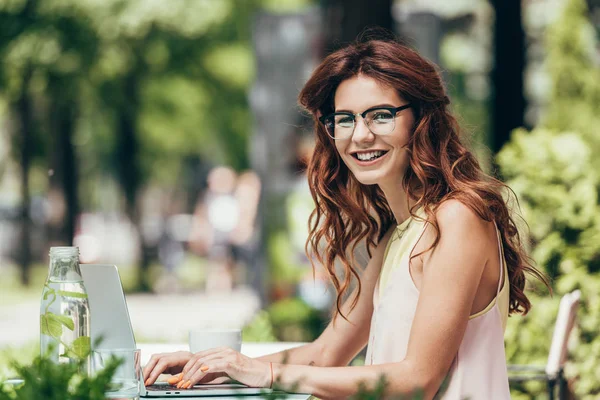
398 200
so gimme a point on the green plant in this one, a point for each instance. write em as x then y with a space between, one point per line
44 379
52 324
9 356
259 329
553 176
294 320
553 171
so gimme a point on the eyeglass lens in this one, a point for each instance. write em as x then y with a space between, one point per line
380 122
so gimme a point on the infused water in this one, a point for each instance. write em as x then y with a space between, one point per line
64 311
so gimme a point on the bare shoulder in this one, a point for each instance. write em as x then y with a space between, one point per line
459 224
455 216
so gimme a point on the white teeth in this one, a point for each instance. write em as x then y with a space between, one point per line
368 156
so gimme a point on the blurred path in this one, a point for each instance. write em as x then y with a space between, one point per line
155 318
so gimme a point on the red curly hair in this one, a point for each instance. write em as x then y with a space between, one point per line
440 168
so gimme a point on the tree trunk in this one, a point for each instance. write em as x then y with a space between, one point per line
63 115
70 182
25 133
508 107
347 19
129 170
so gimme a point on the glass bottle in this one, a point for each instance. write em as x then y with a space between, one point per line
64 310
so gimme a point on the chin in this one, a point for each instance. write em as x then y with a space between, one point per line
367 178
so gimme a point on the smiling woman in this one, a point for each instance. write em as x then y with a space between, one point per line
447 264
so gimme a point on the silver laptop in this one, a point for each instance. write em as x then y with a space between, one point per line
110 322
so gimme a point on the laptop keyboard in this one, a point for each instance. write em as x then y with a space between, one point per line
160 388
163 387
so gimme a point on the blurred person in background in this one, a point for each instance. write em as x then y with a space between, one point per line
223 226
243 239
447 264
216 216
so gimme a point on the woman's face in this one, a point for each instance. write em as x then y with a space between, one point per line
384 160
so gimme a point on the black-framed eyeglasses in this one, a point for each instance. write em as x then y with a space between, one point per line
379 120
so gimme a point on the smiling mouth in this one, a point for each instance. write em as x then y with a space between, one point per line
369 156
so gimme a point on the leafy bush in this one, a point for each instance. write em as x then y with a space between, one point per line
553 176
259 329
295 321
46 380
553 171
11 356
287 320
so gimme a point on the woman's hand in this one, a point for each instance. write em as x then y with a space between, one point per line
165 363
173 363
225 361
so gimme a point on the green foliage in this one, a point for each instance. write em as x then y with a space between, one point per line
259 329
288 320
177 74
52 324
575 76
11 356
280 248
287 6
553 171
553 176
294 320
44 379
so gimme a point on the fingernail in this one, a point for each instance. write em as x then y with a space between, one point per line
146 383
204 368
179 384
187 384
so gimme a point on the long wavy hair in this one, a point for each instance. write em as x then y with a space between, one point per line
441 168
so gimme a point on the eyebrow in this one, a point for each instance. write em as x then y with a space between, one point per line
385 105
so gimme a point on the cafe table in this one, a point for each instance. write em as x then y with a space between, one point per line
249 349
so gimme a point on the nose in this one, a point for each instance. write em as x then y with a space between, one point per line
362 132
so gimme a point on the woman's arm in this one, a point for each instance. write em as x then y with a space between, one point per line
451 276
307 354
340 342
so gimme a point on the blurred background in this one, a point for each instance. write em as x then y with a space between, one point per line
165 138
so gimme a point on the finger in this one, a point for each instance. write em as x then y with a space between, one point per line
203 354
199 374
190 372
151 363
175 379
161 366
199 362
150 367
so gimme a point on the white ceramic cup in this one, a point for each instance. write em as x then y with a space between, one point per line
204 339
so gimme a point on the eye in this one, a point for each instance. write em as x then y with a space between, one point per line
382 116
344 121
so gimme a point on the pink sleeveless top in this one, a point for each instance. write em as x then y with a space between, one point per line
479 368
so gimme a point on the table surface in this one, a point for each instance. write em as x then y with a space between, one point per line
248 348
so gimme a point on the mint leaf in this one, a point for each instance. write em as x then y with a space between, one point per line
50 327
66 293
62 319
81 347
